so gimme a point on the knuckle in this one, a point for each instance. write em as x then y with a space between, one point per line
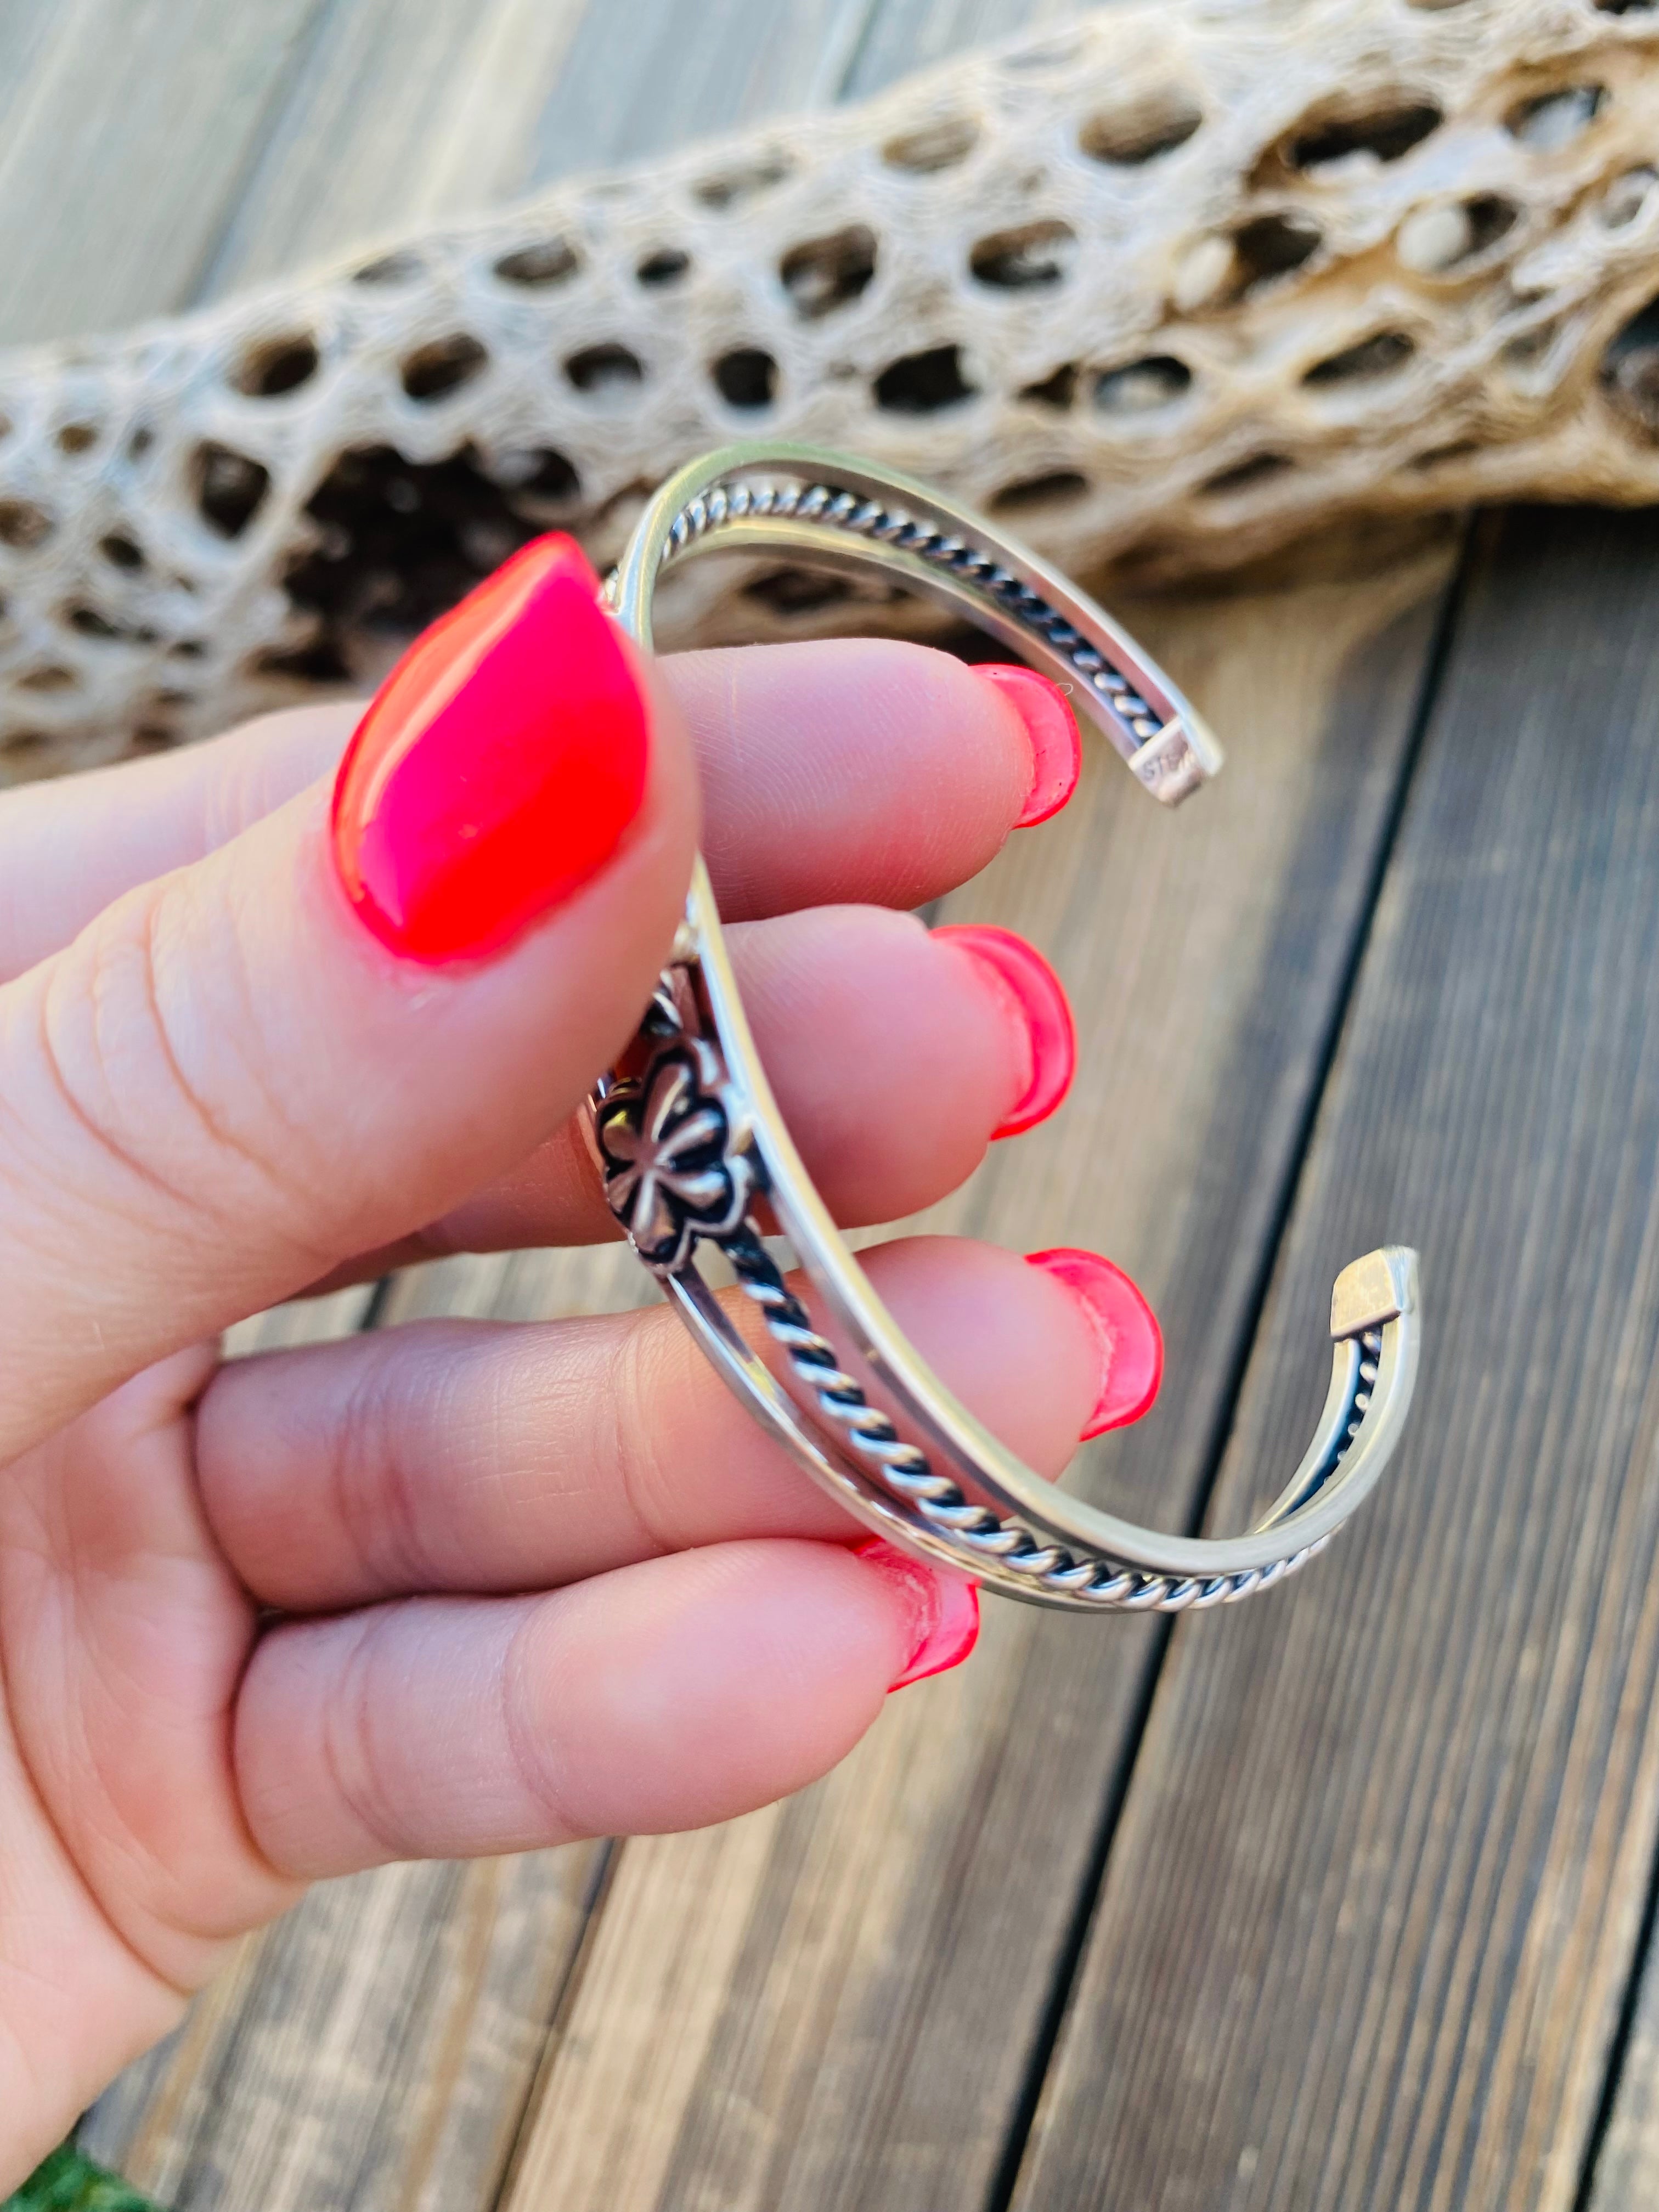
154 1074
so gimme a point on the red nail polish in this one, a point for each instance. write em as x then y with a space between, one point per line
943 1610
1056 748
497 767
1031 989
1126 1328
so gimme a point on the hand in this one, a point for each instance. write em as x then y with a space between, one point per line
453 1589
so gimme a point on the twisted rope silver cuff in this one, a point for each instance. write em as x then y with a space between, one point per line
690 1142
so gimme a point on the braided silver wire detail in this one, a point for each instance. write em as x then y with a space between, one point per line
904 1469
852 515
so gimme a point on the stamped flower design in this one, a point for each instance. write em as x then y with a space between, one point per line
671 1173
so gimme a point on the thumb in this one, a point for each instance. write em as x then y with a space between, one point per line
341 1023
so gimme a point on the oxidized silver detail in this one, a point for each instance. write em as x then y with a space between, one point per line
675 1168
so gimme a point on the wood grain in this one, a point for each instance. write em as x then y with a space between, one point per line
870 1931
1625 2173
126 128
1367 1924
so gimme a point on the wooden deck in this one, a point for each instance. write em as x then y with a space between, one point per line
1343 1899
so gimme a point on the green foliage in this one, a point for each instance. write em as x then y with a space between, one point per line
68 2182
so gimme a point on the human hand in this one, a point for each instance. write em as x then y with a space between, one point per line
453 1589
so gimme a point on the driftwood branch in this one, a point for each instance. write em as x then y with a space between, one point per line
1165 290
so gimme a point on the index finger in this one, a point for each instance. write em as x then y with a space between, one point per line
855 770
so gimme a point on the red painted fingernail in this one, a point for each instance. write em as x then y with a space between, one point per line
1126 1328
1056 748
498 766
1029 987
943 1610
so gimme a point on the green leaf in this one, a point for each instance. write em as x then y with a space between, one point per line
68 2182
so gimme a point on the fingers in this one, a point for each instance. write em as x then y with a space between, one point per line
322 1035
69 846
460 1456
895 1057
849 770
667 1695
853 770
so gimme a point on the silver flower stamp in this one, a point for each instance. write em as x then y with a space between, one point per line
675 1167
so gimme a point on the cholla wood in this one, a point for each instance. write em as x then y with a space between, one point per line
1165 290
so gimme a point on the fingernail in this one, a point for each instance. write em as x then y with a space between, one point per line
1056 748
1125 1329
1029 987
943 1610
498 766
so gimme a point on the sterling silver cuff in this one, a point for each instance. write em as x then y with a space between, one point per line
695 1153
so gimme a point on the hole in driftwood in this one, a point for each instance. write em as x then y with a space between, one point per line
938 145
229 488
77 437
544 261
608 368
1383 354
433 371
23 745
1627 194
1128 135
666 266
22 524
1385 132
1554 120
824 273
1058 389
746 377
1626 6
398 268
538 477
121 552
923 383
1034 255
729 188
1056 489
1243 474
280 365
1140 386
53 678
93 621
1271 246
797 591
1629 372
1436 456
399 541
1435 238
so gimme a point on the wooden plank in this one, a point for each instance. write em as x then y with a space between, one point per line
911 34
1370 1914
402 116
405 117
125 130
1625 2175
887 1942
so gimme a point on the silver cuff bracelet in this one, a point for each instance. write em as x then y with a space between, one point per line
690 1142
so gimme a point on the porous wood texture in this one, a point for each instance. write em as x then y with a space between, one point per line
1164 288
1404 1828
